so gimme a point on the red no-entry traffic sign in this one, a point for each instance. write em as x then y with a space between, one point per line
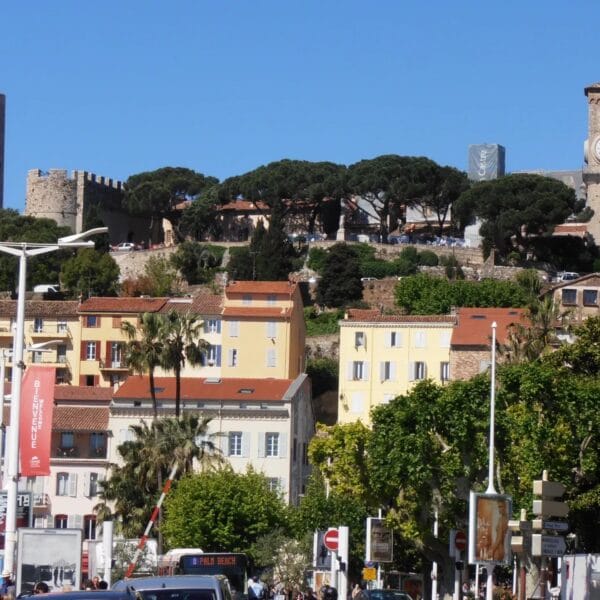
331 540
460 540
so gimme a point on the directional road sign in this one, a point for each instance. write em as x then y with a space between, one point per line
547 545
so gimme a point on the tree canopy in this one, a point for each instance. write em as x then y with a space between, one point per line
157 193
340 281
516 209
90 273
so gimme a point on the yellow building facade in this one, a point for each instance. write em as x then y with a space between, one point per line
383 356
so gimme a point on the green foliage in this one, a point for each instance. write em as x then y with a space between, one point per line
516 209
90 273
161 277
321 322
199 219
530 281
222 511
428 258
340 280
40 269
424 294
316 259
324 375
197 262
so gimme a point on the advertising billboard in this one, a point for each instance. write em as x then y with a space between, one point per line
380 541
49 555
489 536
486 161
24 513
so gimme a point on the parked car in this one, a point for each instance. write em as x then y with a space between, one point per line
177 587
386 595
124 247
568 276
399 239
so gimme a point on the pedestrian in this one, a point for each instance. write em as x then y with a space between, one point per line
95 581
41 587
102 585
256 589
7 582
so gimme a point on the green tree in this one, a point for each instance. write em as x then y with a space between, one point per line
197 262
158 193
133 486
517 208
222 511
323 373
200 218
144 349
181 343
296 185
340 280
90 273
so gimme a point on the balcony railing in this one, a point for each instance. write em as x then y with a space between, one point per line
48 330
80 453
112 365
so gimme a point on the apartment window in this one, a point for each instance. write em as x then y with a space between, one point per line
212 356
233 357
359 339
90 350
37 357
61 354
116 354
569 296
235 443
91 321
295 450
114 379
212 326
98 443
67 440
38 325
66 484
420 339
272 444
61 521
445 339
274 485
89 527
247 299
271 329
394 339
62 327
590 297
93 489
444 371
271 299
418 371
234 328
271 357
117 322
358 370
387 371
357 403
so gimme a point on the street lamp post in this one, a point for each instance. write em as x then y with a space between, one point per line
25 250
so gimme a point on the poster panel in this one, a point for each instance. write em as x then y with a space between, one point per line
380 541
35 426
50 555
489 536
24 513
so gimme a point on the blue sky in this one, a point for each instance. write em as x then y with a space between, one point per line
222 87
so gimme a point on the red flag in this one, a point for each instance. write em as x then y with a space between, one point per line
35 427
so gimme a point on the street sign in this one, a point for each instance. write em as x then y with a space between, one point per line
369 574
460 540
550 508
555 526
331 539
547 545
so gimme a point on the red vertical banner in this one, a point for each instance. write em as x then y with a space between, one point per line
35 427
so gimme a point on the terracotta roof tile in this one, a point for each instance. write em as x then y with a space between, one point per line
121 305
243 206
82 393
80 418
41 308
275 312
202 304
474 326
260 287
374 316
192 388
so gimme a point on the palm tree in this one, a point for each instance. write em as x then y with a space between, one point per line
145 353
182 343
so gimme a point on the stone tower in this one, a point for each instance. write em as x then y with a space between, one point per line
591 173
2 136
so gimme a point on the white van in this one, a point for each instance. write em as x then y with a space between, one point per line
46 288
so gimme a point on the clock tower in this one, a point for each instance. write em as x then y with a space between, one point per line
591 173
